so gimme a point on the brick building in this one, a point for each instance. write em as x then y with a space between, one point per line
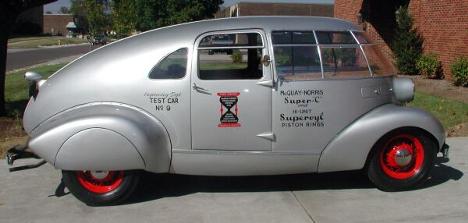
56 24
442 23
257 9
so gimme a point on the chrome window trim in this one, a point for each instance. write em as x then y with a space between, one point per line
335 31
231 47
354 32
363 53
227 32
339 45
288 45
320 55
196 54
309 31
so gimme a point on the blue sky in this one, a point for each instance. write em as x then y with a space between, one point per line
54 7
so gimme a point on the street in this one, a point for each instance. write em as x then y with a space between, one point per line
38 196
19 58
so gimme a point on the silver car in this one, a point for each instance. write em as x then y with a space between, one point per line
297 95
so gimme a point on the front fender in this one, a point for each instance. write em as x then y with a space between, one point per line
114 136
349 150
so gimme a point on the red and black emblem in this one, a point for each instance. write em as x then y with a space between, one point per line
229 109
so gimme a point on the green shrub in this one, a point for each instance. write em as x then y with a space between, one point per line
460 71
407 43
429 66
236 56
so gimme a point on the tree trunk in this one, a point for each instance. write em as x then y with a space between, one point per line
3 56
9 10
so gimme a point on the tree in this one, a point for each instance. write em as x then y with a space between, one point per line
157 13
91 16
9 11
408 44
64 10
80 16
124 17
148 12
98 19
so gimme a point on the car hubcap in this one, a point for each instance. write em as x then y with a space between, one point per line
402 157
100 182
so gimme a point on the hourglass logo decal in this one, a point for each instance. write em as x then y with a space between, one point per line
229 110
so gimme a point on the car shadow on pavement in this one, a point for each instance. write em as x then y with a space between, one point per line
155 186
440 174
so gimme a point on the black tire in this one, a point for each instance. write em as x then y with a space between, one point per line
392 169
113 192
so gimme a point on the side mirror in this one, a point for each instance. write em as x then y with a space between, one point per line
266 60
35 81
32 76
403 89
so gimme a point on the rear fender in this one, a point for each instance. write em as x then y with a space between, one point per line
98 149
103 136
349 150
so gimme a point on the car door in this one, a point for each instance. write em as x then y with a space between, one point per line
231 92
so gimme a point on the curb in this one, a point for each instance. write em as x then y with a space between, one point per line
61 46
51 62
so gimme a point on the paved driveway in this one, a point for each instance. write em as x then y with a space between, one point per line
36 196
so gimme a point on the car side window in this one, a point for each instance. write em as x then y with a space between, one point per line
376 56
342 37
230 56
173 66
344 62
341 55
296 55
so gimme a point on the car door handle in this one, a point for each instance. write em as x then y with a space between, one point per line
200 89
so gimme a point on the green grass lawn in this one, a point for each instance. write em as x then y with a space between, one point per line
449 112
20 39
34 42
16 87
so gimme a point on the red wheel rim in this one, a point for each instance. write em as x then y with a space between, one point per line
402 157
100 182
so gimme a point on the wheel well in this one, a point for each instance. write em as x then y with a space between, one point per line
415 129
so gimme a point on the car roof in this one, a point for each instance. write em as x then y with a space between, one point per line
159 42
188 32
267 23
